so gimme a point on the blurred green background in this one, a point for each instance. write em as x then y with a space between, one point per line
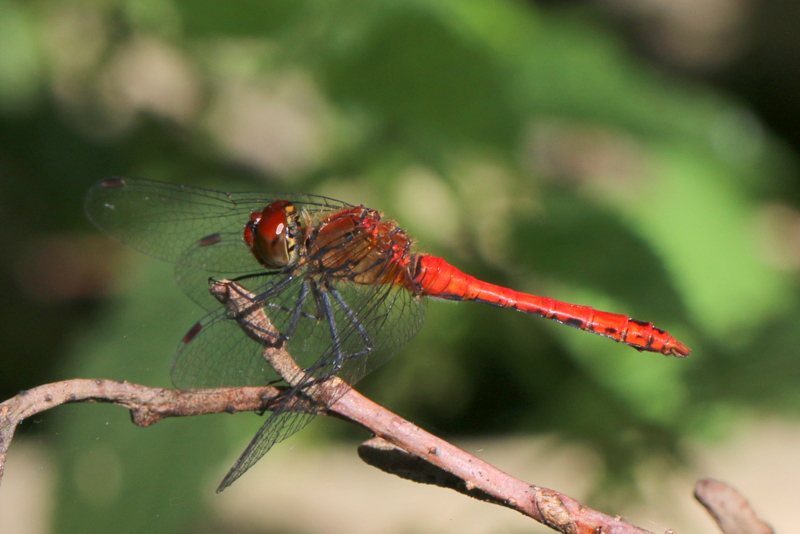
641 160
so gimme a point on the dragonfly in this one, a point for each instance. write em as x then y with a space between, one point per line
341 285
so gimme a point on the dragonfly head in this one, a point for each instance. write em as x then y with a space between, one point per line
273 234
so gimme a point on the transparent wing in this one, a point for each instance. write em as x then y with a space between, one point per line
362 328
216 352
334 328
166 220
228 257
368 328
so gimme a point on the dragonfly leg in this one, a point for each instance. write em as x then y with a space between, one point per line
297 312
352 317
330 367
253 275
324 300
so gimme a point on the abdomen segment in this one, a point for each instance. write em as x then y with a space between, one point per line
437 278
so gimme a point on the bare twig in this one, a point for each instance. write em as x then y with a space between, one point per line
147 405
413 453
459 470
729 508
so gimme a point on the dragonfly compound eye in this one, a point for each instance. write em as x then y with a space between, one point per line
272 234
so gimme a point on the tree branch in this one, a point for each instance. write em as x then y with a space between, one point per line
466 473
729 508
147 405
399 447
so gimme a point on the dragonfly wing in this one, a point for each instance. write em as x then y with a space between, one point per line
215 353
341 328
226 258
164 220
367 327
387 319
278 426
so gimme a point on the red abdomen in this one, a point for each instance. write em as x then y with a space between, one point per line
437 278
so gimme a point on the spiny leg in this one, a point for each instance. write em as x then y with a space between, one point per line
297 312
362 332
327 309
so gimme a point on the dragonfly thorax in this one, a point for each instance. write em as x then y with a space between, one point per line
273 234
378 251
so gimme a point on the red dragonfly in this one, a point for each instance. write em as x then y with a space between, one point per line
340 284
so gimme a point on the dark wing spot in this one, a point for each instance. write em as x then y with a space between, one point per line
190 335
113 182
209 240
